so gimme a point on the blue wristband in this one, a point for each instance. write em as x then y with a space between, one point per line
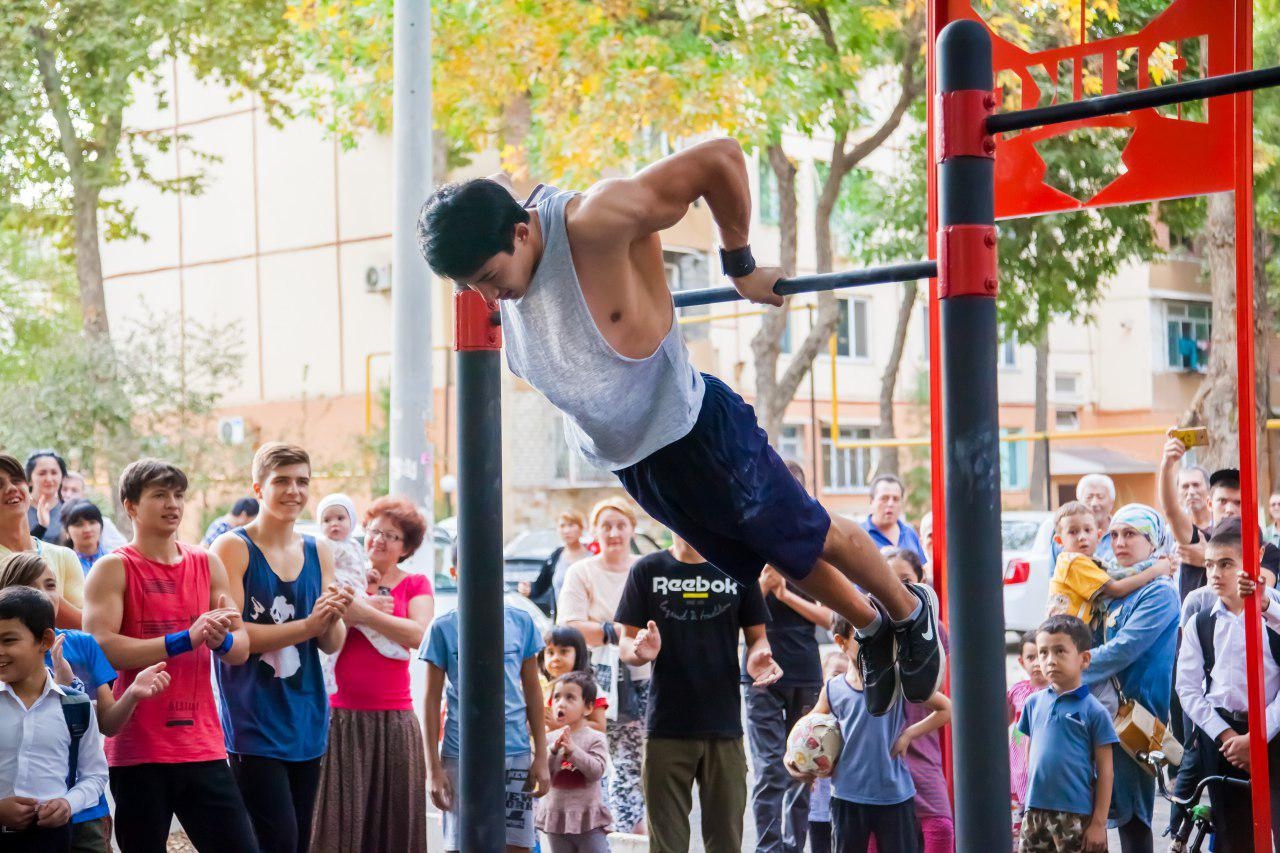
225 647
177 643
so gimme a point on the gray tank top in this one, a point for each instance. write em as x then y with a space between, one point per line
619 410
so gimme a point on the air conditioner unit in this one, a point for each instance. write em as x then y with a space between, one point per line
231 430
378 279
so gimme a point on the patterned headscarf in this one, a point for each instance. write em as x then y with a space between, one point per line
1148 522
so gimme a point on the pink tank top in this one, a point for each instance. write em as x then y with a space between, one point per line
367 680
181 724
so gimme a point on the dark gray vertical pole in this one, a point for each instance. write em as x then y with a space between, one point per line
480 795
967 286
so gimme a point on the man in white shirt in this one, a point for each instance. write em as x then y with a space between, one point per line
1212 687
39 789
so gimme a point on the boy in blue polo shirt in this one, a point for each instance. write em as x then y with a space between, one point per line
1070 773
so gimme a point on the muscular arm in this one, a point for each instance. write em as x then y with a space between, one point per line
220 596
231 551
658 196
332 637
1167 485
104 595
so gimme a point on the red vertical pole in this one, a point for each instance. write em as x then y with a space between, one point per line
936 19
1245 370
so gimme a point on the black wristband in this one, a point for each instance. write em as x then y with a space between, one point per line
737 263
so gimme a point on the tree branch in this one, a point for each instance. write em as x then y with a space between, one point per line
58 105
910 88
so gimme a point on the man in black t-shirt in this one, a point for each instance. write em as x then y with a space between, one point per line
684 615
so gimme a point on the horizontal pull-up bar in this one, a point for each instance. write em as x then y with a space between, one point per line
1123 102
914 271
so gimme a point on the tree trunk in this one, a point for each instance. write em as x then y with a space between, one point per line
887 459
93 300
766 345
1039 466
1216 403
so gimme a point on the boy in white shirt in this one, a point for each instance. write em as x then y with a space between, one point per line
60 773
1212 687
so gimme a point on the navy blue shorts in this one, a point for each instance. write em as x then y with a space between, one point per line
727 493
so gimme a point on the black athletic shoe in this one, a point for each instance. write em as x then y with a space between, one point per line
877 661
921 660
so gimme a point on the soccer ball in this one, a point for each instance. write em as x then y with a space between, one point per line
814 744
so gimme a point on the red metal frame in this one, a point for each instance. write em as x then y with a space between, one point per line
967 261
965 112
474 325
1166 157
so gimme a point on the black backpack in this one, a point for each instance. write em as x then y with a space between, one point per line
1204 633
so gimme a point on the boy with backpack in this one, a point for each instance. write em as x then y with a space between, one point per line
51 759
1212 687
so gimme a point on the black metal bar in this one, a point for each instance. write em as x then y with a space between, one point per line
1123 102
480 796
975 595
914 271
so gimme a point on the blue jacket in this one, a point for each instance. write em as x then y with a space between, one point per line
1139 650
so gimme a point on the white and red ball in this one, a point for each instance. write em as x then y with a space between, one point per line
814 744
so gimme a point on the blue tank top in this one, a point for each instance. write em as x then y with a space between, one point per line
866 772
274 704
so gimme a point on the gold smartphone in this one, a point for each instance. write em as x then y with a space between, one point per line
1192 436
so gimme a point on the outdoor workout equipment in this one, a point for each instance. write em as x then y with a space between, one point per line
974 179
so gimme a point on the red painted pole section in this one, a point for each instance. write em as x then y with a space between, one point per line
475 323
1245 370
937 18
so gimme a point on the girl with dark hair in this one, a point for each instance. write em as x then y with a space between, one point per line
45 471
82 532
566 651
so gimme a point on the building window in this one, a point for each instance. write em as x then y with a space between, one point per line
770 201
1013 462
791 443
852 332
572 468
688 271
1187 329
1066 420
1066 386
847 469
1008 355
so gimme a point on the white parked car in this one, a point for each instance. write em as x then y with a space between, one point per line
1027 561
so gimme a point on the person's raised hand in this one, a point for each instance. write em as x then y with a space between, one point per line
17 812
524 588
441 790
1174 450
62 673
562 744
758 286
1247 587
54 813
763 668
209 624
772 582
44 508
150 682
1192 555
648 642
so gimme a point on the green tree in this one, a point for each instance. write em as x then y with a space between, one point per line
72 67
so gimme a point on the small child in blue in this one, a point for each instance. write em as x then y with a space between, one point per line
1069 768
527 772
872 795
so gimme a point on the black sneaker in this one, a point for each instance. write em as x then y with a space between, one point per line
921 660
877 662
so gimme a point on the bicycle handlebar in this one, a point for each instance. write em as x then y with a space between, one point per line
1156 761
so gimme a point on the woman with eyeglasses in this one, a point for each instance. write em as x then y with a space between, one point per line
373 777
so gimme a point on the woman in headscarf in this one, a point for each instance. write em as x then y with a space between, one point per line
1138 651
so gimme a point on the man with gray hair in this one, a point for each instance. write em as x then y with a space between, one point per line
1098 493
